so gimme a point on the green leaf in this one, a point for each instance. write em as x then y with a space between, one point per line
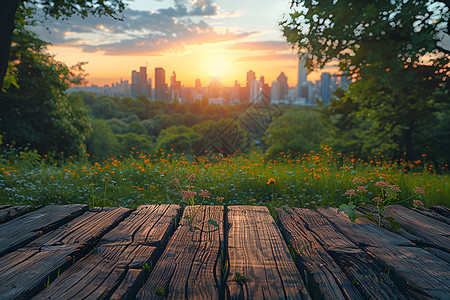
212 222
390 219
395 225
349 210
370 217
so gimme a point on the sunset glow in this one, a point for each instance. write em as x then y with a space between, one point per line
196 39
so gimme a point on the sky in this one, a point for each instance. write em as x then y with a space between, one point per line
202 39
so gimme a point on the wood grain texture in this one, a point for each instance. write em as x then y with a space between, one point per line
257 251
22 230
416 272
429 230
12 212
444 211
190 266
25 271
339 269
114 269
432 214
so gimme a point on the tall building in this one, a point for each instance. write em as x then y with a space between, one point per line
325 92
235 96
139 82
175 88
160 84
275 92
284 88
256 91
251 77
149 88
302 83
198 90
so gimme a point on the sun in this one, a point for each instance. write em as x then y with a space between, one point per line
217 66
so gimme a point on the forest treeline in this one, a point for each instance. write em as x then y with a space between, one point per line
102 127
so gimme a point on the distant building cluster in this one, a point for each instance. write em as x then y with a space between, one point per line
255 91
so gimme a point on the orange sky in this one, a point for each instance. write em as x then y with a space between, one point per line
195 38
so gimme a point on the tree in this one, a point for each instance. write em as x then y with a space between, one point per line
370 38
36 113
226 135
178 138
298 131
58 9
130 143
102 143
393 50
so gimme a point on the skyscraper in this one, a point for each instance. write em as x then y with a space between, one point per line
275 92
251 77
175 87
198 90
284 88
160 84
256 91
302 82
325 92
139 82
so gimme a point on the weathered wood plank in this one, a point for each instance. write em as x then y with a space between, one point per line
429 230
114 269
22 230
190 266
432 214
441 210
416 272
12 212
25 271
338 267
5 206
257 251
324 276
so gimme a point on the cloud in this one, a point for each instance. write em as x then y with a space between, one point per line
275 57
141 32
272 46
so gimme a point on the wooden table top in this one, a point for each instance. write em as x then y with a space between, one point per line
221 252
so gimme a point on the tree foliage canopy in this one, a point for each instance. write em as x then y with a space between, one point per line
36 112
370 37
394 52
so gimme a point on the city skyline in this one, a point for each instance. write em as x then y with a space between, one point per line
202 39
255 90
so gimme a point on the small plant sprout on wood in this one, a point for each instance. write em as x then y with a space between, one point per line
388 194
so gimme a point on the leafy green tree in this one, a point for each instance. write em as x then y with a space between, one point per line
196 108
190 119
36 113
56 8
179 138
132 143
346 128
130 118
393 50
102 143
139 106
117 126
152 127
226 134
298 131
136 127
105 108
369 37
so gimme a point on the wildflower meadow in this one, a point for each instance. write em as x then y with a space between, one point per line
295 179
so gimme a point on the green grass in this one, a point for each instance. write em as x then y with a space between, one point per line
307 180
